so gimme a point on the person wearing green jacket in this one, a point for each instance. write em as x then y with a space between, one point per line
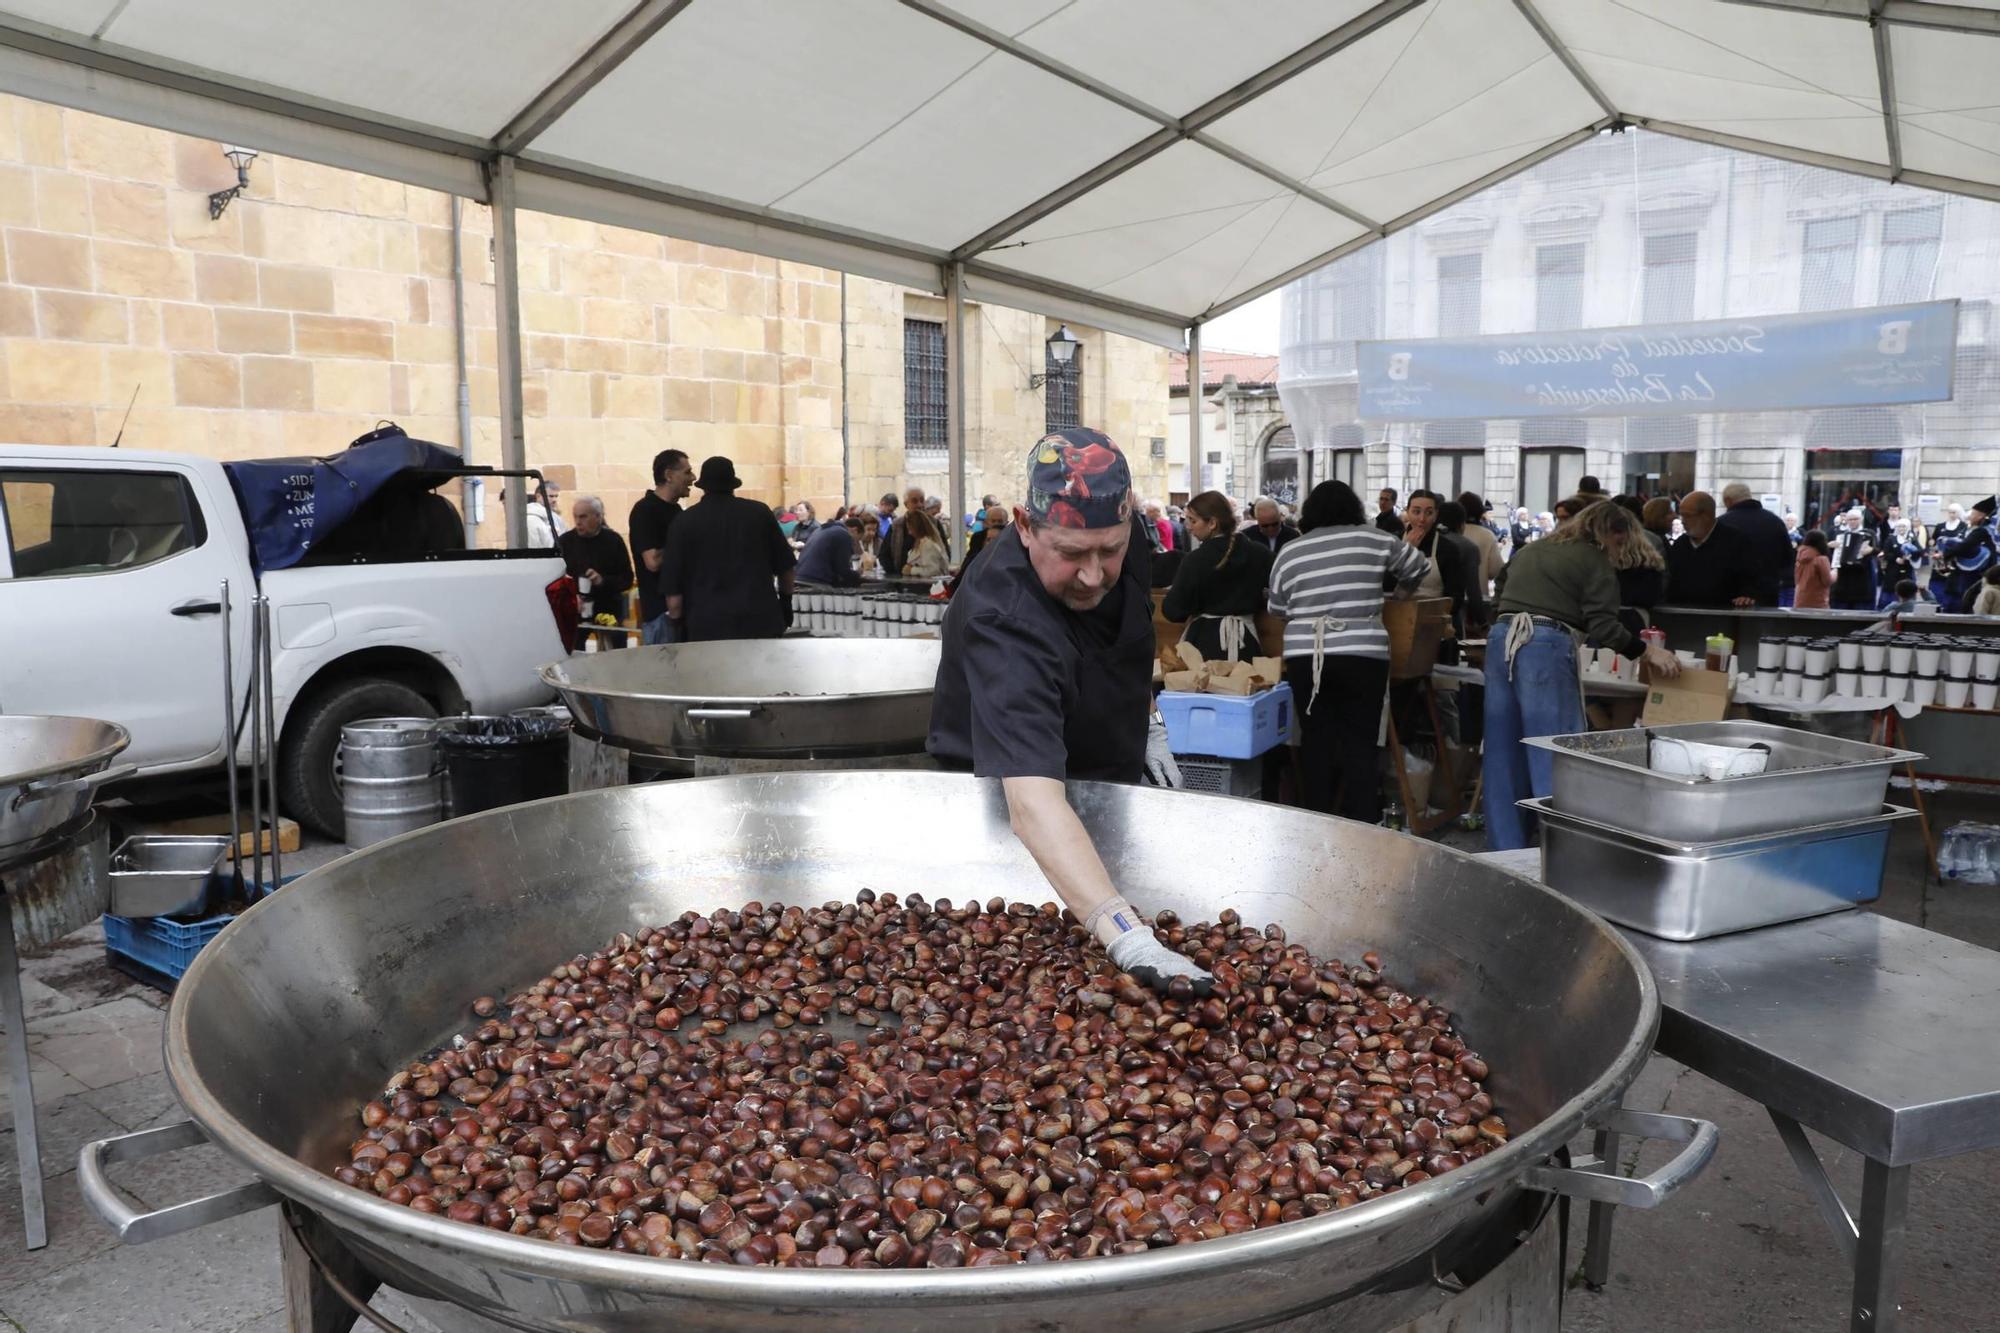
1554 595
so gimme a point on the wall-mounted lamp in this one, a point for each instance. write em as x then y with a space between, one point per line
242 157
1062 347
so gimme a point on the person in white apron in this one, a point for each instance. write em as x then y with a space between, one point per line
1555 594
1219 588
1328 586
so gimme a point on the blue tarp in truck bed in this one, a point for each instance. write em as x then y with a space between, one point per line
292 505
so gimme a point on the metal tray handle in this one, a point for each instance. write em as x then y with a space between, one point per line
721 712
1597 1181
70 786
135 1227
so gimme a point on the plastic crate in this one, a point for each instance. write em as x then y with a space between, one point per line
161 943
1227 726
1221 777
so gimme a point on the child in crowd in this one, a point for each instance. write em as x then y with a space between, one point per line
1907 600
1988 601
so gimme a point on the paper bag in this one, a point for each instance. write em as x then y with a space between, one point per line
1693 696
1190 656
1185 682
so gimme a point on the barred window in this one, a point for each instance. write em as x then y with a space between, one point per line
925 425
1458 295
1061 392
1826 271
1559 286
1910 239
1669 282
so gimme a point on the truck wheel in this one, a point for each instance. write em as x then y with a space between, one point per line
309 763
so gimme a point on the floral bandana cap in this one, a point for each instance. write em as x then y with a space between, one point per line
1077 478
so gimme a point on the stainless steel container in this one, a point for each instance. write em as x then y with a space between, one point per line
792 698
390 781
165 874
50 770
1692 890
300 1008
1811 779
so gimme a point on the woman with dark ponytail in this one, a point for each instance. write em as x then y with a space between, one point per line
1220 586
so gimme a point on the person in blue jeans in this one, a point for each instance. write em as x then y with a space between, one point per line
1555 594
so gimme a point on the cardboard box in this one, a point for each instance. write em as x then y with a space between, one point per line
1693 696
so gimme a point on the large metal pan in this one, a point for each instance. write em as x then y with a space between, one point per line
794 698
50 770
300 1009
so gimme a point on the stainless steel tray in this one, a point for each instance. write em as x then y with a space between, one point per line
163 874
1692 890
1811 779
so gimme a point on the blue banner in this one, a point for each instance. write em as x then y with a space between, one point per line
1837 358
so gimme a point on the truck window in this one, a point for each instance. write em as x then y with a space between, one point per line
61 521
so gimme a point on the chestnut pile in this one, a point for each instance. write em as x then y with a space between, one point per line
1016 1100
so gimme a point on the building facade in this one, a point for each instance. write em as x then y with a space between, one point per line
322 302
1633 229
1247 444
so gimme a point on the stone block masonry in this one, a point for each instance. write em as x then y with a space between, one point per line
321 303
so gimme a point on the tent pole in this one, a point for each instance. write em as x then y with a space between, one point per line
1197 410
507 344
954 403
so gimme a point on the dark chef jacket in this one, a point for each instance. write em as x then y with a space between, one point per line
721 559
1027 687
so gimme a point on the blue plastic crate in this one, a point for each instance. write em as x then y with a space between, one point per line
1227 726
161 943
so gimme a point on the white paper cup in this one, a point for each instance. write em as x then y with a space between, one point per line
1895 687
1689 659
1985 693
1790 684
1767 681
1795 655
1923 689
1959 661
1816 663
1927 659
1955 692
1872 685
1987 665
1874 656
1850 654
1812 689
1899 656
1847 682
1770 655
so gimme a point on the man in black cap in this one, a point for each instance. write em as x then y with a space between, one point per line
727 568
1969 556
1047 674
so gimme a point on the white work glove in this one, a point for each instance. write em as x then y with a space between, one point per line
1153 964
1161 770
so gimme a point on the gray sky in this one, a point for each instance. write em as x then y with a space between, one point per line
1251 328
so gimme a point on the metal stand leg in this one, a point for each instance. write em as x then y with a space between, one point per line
1597 1240
1878 1260
20 1085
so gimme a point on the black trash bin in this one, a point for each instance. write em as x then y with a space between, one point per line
496 761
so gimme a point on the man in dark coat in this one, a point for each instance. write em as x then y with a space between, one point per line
1771 551
1709 565
596 557
727 571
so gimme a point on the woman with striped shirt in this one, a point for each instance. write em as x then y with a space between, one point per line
1328 586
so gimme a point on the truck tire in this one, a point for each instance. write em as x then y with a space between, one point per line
308 762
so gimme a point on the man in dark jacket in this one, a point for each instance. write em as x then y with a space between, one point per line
1386 517
596 557
1771 552
1710 565
727 572
1268 527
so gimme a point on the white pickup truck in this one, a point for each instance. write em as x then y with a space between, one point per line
111 565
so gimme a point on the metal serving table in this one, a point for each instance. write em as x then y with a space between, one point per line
1834 1024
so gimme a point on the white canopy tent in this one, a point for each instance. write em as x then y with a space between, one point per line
1139 165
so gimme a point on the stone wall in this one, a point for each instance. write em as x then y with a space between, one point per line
321 302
